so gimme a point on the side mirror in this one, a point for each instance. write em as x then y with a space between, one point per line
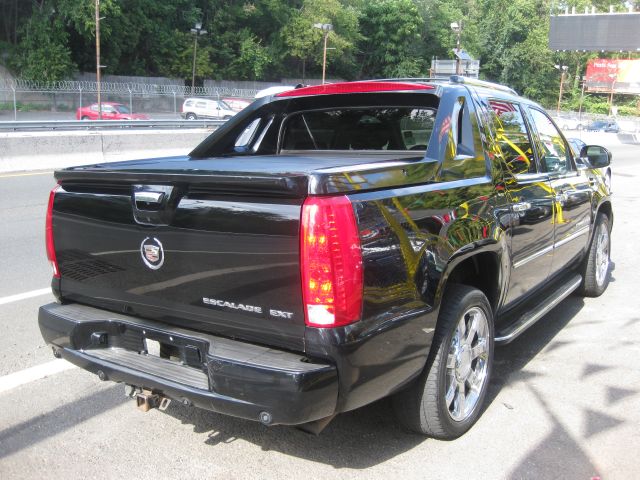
598 157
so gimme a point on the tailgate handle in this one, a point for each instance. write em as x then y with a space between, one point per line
148 197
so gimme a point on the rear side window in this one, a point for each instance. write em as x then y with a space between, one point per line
371 128
512 137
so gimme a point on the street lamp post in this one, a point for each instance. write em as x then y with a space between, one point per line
326 28
614 77
563 69
197 31
584 83
457 29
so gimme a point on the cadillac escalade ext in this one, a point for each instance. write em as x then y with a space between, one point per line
326 247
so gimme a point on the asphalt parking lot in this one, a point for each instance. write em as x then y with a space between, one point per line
564 400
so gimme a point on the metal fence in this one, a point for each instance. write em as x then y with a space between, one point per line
23 99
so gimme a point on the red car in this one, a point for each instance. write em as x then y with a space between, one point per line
110 111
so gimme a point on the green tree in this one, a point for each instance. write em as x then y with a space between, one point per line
181 64
252 59
304 42
391 30
44 53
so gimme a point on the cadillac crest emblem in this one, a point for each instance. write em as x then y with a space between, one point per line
152 253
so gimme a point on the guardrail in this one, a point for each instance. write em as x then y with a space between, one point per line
66 125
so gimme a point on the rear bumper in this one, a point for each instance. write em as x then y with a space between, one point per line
218 374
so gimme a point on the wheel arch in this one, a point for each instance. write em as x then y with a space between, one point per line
481 269
606 209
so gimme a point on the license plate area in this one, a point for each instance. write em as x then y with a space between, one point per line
177 348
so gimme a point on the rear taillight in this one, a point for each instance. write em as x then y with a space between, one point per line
51 252
330 262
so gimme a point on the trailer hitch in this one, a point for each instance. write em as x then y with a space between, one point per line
146 399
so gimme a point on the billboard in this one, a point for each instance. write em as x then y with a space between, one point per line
621 76
612 32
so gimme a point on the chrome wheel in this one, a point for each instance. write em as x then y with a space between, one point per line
602 254
467 362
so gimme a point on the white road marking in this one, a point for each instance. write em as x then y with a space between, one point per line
24 296
13 380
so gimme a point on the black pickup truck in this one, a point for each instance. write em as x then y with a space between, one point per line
327 247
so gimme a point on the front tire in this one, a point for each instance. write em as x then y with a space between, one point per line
596 272
447 398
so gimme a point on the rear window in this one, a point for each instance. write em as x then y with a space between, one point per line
364 128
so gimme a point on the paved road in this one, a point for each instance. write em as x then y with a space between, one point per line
564 402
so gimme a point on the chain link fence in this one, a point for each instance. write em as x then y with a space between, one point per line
30 100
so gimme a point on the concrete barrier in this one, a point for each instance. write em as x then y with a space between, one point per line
24 151
629 138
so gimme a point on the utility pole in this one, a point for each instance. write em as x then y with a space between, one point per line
324 56
98 58
326 28
563 69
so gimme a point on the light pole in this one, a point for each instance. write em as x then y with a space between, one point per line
614 77
584 83
197 31
457 29
326 28
563 69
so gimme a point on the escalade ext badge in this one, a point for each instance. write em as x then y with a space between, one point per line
152 253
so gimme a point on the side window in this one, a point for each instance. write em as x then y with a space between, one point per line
512 136
463 157
94 108
201 105
554 152
248 133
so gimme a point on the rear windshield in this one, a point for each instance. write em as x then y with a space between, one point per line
370 128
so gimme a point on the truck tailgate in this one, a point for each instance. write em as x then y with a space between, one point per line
185 251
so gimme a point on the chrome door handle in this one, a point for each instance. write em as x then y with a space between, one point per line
521 207
148 197
561 197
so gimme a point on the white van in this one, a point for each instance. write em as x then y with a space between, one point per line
194 108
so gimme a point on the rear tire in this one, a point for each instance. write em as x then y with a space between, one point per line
596 272
191 116
84 117
447 398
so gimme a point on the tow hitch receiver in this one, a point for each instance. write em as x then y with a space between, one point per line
146 399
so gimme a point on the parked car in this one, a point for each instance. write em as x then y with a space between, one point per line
569 123
236 104
110 111
194 108
603 126
330 246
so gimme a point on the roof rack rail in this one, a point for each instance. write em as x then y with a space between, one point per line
481 83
